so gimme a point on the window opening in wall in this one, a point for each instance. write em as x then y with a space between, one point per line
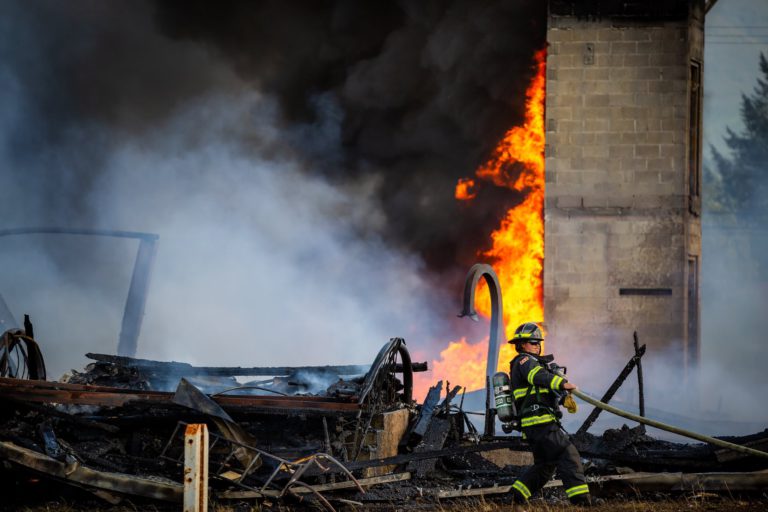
694 139
693 312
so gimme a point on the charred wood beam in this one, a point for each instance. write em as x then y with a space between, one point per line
612 390
70 418
425 415
446 404
186 369
57 392
434 454
730 455
79 475
683 482
640 392
434 439
347 484
639 482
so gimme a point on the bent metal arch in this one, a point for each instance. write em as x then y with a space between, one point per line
133 313
497 334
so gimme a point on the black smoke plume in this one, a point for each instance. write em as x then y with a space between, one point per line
375 108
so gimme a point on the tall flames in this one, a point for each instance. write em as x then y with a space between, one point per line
517 252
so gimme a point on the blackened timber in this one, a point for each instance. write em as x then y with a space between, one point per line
434 439
425 415
448 398
516 444
71 418
186 369
80 475
612 390
640 392
85 394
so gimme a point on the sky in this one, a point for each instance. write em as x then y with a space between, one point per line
733 293
736 31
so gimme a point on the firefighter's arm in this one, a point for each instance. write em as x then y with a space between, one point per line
537 375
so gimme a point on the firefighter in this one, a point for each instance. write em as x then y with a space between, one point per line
537 392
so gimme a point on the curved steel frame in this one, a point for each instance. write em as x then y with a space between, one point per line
497 334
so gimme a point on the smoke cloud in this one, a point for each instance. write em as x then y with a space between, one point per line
297 160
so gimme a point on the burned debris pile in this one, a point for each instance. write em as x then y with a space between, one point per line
322 434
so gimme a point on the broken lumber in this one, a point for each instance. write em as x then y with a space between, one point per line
347 484
78 474
670 482
669 428
612 389
187 370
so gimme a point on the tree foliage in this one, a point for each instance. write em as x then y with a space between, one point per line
738 184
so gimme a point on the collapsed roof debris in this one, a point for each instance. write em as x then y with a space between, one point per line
323 434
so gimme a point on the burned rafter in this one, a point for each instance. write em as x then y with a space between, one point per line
634 360
186 370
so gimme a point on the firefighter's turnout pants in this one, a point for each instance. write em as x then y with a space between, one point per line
552 449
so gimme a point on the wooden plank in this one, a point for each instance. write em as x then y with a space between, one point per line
80 475
83 394
196 468
725 455
338 486
425 415
683 482
187 370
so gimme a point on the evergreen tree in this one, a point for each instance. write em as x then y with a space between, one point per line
739 184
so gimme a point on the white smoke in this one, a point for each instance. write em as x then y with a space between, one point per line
259 262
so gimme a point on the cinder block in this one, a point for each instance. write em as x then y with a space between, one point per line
636 60
632 164
622 100
622 73
610 34
650 73
569 202
623 125
569 178
622 151
581 138
575 75
623 47
647 124
571 48
593 73
637 34
647 150
654 47
672 151
595 151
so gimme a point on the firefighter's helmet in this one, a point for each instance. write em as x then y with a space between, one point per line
529 331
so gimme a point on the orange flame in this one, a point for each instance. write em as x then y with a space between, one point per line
464 190
517 254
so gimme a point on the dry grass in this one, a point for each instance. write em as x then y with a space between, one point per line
694 503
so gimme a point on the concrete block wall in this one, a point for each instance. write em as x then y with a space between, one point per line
618 210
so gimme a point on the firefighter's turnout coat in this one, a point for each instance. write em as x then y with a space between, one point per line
535 390
537 393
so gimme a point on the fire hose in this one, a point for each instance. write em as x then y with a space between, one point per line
668 428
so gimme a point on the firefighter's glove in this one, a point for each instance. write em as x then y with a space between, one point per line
570 404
